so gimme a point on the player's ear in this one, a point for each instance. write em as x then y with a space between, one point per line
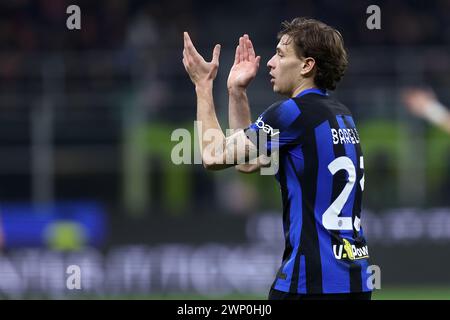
307 66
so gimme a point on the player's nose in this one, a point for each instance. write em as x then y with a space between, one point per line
270 63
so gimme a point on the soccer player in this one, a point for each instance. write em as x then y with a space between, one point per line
321 167
423 103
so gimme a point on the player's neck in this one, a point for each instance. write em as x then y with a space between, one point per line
303 86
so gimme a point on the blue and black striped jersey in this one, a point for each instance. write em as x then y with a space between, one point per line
321 176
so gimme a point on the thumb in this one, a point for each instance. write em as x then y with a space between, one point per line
258 59
216 54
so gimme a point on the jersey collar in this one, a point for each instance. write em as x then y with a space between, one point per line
312 90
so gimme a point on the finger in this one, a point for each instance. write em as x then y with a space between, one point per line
189 45
241 49
185 49
245 47
216 54
186 65
236 56
257 60
251 49
186 56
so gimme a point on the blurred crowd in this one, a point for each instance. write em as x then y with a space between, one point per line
27 25
151 31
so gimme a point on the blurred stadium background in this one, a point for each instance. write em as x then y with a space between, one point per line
85 138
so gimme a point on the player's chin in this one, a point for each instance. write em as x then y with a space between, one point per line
279 90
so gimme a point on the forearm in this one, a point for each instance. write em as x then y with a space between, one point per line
438 114
207 120
206 112
239 116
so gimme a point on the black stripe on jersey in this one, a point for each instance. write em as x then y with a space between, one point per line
355 277
296 270
309 239
338 186
286 222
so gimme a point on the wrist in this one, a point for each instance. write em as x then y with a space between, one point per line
202 86
236 90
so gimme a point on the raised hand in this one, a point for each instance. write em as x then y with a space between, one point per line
418 100
200 71
245 66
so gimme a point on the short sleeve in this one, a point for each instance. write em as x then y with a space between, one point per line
277 127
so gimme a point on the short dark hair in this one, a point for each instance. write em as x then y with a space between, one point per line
325 44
